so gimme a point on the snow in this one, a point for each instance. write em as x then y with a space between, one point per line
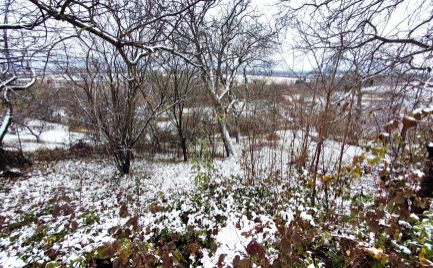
11 260
231 242
405 224
414 217
287 216
307 217
374 251
419 173
92 186
52 136
428 110
77 179
405 250
67 177
268 79
377 89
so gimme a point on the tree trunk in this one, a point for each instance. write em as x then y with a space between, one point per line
6 121
426 189
315 169
228 145
238 131
358 111
184 149
126 163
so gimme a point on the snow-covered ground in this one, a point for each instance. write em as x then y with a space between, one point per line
84 188
51 136
71 207
269 79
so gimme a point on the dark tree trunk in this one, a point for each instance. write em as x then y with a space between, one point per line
184 149
426 187
126 165
123 160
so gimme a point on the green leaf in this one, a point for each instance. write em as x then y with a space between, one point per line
375 161
52 264
178 257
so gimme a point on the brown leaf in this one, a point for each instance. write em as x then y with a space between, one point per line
345 106
51 253
409 122
40 228
150 260
167 261
113 229
418 116
117 263
374 226
119 196
193 248
108 250
391 125
67 210
133 221
56 211
65 198
123 212
221 260
254 248
258 228
246 234
52 200
236 259
73 225
244 263
384 137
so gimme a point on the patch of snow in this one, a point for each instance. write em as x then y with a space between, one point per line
10 260
52 136
307 217
405 224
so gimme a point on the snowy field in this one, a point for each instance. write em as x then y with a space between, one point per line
69 210
51 136
73 206
81 194
81 212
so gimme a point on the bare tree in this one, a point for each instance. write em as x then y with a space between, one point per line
21 40
365 39
335 81
11 85
129 32
224 37
118 110
399 32
377 38
135 28
180 81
